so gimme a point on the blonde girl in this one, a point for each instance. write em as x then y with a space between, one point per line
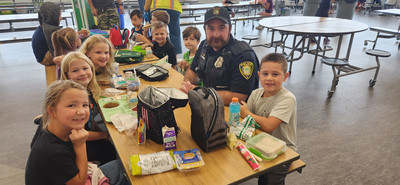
79 68
58 155
100 52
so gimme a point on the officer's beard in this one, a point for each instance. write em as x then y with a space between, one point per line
217 43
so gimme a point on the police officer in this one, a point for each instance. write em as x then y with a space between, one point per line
222 62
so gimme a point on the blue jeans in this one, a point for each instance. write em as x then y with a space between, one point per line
175 30
141 5
114 171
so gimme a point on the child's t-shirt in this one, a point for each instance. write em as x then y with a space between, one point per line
188 58
140 31
51 161
282 105
162 51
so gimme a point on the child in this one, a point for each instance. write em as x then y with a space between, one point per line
58 155
161 46
77 67
274 109
158 15
137 22
191 39
64 41
99 50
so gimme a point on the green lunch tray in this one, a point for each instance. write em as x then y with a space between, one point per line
123 107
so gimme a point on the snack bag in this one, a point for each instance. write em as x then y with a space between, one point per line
246 128
151 163
141 132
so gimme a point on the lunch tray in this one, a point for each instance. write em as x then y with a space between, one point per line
123 107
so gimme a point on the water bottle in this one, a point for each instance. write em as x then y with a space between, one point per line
234 112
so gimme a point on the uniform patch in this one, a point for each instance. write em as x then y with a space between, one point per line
246 69
216 11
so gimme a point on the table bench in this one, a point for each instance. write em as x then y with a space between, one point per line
383 33
297 165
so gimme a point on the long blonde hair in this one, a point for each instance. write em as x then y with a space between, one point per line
93 86
89 45
53 95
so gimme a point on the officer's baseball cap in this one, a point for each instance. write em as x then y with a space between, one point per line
217 13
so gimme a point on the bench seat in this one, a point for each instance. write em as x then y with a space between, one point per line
385 30
297 165
15 39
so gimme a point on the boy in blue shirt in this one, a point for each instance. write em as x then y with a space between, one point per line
273 108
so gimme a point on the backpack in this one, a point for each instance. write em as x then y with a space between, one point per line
208 126
150 72
119 41
127 56
156 110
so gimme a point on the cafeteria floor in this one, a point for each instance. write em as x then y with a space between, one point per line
352 138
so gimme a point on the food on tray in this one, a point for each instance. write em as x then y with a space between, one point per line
111 105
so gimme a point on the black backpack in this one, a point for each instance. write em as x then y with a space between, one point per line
156 109
208 126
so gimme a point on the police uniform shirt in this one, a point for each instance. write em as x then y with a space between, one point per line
232 68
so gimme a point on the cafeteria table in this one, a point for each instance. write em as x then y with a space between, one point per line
310 27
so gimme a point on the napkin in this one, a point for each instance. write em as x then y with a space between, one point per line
124 122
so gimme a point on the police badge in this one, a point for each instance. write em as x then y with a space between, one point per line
218 63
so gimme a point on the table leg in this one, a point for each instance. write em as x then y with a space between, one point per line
349 48
338 46
316 54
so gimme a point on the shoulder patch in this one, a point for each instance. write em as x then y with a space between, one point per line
246 69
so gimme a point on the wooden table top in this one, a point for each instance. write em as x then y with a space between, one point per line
311 25
222 166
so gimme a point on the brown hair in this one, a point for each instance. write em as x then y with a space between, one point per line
161 15
158 25
277 58
63 41
191 30
136 12
53 96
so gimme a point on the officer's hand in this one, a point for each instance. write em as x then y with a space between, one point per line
186 86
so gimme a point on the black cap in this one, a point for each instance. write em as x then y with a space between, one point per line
217 12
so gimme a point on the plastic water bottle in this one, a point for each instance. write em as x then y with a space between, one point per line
234 112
